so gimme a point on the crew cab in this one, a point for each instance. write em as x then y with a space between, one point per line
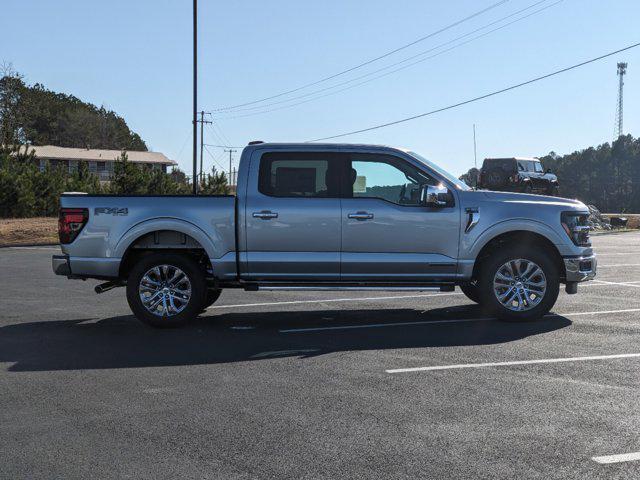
328 217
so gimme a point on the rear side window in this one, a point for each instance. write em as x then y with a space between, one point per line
506 164
299 174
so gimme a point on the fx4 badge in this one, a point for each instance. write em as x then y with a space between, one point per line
111 211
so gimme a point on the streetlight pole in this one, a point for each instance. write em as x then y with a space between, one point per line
195 97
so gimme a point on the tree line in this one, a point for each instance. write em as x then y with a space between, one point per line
26 190
607 176
32 113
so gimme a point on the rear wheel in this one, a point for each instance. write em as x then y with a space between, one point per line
166 290
519 283
552 190
211 297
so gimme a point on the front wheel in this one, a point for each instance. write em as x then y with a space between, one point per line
471 290
166 290
519 283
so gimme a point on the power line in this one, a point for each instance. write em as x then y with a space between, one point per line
482 97
220 146
368 62
213 158
410 58
449 42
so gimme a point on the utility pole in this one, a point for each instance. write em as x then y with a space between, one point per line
202 122
195 97
622 70
475 154
230 160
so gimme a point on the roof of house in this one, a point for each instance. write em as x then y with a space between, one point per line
51 152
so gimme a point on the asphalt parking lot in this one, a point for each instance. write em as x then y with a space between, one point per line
319 385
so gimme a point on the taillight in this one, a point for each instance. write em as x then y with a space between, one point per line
70 222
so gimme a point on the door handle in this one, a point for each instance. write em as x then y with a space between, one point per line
361 215
265 215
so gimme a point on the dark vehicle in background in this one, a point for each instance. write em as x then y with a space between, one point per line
517 174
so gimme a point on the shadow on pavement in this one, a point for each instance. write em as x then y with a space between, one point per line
123 342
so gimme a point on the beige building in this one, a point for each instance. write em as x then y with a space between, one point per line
100 162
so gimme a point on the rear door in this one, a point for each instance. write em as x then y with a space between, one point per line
387 235
292 216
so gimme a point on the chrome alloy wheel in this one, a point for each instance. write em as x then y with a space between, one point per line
519 285
165 290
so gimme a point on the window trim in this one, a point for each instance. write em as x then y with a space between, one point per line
400 160
331 156
343 155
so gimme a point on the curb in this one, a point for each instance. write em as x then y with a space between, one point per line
33 245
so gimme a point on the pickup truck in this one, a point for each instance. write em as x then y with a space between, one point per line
328 217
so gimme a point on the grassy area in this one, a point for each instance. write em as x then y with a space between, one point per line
28 231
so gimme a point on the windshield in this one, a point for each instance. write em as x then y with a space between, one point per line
460 185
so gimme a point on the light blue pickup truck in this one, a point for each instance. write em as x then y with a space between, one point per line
328 217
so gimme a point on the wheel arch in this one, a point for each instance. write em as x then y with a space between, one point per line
526 238
168 235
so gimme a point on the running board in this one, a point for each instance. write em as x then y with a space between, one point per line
350 288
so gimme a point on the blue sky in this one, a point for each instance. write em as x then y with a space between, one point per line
135 57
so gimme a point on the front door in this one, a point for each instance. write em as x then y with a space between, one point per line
292 217
387 235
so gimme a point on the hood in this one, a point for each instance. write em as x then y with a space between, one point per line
523 199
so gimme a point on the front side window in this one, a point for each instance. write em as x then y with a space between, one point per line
537 167
386 177
299 174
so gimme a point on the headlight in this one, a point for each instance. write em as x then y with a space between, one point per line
575 224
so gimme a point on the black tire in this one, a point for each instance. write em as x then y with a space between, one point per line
472 291
195 277
527 188
211 297
495 261
552 190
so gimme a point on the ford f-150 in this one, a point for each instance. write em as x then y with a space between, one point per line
328 216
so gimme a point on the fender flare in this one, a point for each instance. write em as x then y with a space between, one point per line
167 223
513 225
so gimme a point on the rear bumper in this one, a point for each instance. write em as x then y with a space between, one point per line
61 265
580 269
85 267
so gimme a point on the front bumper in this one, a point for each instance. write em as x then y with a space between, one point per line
580 269
61 265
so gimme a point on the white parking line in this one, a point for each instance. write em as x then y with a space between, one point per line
436 322
331 300
517 362
622 457
620 265
622 284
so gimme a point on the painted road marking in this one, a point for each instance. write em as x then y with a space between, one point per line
436 322
622 284
378 325
622 457
517 362
592 283
620 265
331 300
282 353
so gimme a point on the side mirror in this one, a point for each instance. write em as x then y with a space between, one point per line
434 196
548 171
